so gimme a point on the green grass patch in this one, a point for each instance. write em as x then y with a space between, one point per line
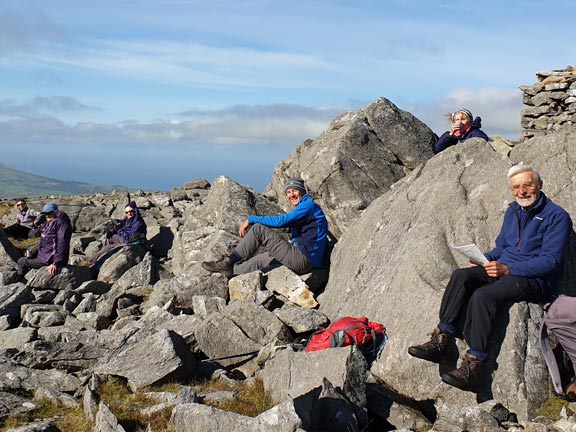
552 408
127 407
250 400
67 419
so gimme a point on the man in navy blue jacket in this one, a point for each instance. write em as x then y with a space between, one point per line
525 265
304 252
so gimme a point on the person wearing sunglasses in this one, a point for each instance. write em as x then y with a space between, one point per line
54 247
25 222
132 230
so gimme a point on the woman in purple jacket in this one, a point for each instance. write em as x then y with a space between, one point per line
54 247
132 231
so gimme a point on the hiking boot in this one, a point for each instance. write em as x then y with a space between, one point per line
471 375
441 348
571 391
224 265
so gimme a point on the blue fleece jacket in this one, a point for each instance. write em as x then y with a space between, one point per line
532 243
446 140
309 228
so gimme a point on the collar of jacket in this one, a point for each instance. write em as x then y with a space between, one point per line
537 207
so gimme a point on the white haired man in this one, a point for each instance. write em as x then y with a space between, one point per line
525 265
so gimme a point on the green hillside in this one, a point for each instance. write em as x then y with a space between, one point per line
14 184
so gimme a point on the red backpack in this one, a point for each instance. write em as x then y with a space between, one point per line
368 336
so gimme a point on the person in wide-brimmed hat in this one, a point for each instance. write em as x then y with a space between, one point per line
304 252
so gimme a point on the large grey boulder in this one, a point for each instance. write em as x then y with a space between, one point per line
394 263
121 259
67 278
183 288
17 337
16 377
258 323
12 297
8 253
359 156
218 337
292 374
213 230
154 359
196 417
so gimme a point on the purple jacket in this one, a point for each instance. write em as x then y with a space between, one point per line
54 247
134 225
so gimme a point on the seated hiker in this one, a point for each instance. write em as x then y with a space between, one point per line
132 229
304 252
54 247
463 127
560 318
525 265
25 222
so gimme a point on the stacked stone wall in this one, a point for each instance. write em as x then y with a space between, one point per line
551 102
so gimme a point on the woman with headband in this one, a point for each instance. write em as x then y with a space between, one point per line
463 127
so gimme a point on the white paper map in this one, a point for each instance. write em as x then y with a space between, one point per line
471 252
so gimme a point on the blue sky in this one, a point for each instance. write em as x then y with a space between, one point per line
153 93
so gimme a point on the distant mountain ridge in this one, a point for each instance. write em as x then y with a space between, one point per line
15 183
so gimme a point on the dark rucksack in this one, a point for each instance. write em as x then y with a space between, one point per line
368 336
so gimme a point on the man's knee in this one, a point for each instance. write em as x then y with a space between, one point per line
259 228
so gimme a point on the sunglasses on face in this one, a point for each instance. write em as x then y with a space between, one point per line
129 212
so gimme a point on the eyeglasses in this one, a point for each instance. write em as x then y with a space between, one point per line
129 212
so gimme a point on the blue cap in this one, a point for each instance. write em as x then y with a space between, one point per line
50 208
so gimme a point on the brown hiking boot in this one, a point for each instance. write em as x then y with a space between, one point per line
471 375
224 265
571 391
441 348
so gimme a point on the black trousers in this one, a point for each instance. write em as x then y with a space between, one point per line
472 299
18 231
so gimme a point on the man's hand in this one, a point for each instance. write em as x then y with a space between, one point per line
52 269
243 228
495 269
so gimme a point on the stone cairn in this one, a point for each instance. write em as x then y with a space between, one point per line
551 102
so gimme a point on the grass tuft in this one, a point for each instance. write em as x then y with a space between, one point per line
552 408
67 419
127 407
250 400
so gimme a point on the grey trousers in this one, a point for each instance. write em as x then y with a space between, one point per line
278 251
25 264
560 318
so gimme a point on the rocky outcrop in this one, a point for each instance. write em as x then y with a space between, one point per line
357 159
393 264
551 102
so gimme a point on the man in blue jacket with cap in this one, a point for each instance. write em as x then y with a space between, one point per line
54 247
304 252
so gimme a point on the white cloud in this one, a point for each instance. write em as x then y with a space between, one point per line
498 108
